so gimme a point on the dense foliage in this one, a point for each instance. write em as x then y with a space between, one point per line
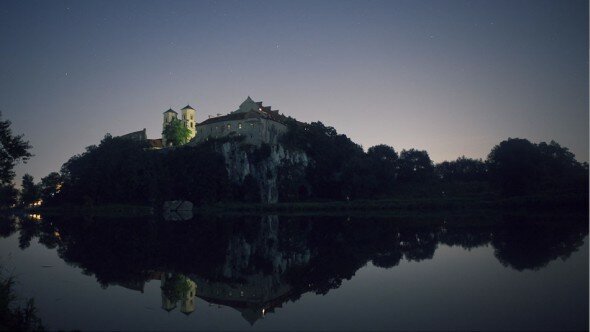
517 166
176 133
30 192
13 149
124 171
341 170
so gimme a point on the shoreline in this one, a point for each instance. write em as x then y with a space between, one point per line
381 207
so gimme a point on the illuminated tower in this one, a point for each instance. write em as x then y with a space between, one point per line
189 120
169 115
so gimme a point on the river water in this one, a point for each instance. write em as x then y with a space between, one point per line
301 273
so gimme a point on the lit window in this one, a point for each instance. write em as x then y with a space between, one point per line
228 126
239 126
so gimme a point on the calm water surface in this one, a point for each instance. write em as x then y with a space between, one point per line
244 273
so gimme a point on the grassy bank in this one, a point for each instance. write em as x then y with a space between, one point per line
540 203
397 206
109 210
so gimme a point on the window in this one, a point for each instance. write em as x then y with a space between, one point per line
228 126
240 125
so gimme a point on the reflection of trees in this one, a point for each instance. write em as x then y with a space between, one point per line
28 229
527 246
273 259
466 238
8 225
418 244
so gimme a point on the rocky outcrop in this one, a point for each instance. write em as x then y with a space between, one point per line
262 163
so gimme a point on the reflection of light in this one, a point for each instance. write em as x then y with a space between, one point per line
262 312
37 202
35 216
58 187
57 235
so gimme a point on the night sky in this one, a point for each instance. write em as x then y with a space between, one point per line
451 77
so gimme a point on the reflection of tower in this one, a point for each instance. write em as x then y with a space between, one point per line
178 288
167 304
187 304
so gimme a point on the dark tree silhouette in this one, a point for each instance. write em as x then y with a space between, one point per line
518 166
13 149
50 185
415 166
462 169
30 192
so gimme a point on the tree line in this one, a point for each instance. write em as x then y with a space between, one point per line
342 170
124 171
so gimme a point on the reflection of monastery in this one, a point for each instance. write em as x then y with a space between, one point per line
254 122
253 298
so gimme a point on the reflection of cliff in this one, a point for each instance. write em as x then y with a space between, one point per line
255 264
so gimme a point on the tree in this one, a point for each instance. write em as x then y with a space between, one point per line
383 164
8 195
30 191
176 133
50 185
559 168
384 153
461 170
415 166
518 166
514 166
13 149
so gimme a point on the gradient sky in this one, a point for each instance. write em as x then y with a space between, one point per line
451 77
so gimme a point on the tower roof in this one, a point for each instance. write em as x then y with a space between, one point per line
170 111
188 107
248 105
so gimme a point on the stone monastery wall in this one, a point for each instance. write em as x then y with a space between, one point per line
254 130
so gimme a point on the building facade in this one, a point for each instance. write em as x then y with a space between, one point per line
254 122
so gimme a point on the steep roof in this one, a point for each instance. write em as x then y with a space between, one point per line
248 105
136 135
170 111
252 114
248 109
187 107
155 143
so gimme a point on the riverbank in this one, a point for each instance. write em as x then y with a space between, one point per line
392 206
542 202
107 210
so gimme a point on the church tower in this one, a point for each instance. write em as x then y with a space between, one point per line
189 120
169 115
